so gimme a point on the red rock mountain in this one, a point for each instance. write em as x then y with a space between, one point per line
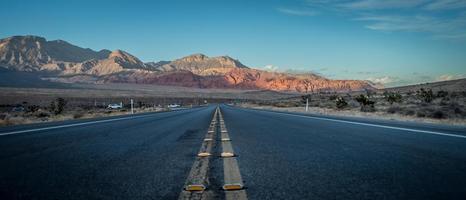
70 63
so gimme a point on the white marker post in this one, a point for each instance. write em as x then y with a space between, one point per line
132 108
307 104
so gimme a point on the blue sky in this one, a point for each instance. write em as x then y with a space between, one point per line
394 42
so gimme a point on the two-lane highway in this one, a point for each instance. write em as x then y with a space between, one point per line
279 156
145 157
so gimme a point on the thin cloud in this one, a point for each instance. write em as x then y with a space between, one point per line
297 12
446 5
449 77
270 68
439 27
377 4
423 16
382 80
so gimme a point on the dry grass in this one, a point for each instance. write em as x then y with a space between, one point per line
17 118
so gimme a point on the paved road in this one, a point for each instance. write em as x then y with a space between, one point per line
284 156
281 156
147 157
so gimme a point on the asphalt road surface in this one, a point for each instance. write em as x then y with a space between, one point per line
280 156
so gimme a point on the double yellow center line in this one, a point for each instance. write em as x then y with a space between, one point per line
197 183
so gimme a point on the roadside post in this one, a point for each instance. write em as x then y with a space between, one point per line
132 108
307 104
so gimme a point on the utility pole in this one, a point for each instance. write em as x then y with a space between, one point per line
307 104
132 108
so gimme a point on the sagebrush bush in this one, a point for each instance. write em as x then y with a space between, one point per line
420 113
393 109
42 115
438 114
78 115
409 112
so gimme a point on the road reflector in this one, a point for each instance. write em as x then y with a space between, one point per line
195 187
224 131
234 186
226 139
208 139
227 154
203 154
210 131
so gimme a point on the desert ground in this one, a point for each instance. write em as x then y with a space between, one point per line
23 105
441 102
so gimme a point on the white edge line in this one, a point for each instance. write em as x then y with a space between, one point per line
69 125
373 125
76 124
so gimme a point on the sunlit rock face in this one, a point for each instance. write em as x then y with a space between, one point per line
70 63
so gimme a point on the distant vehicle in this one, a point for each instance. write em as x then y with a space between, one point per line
115 106
173 106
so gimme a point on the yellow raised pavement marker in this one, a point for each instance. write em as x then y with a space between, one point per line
195 187
234 186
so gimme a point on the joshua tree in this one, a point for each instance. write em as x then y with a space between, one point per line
57 106
392 97
425 95
340 102
367 105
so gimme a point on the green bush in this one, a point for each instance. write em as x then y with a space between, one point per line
392 97
57 106
425 95
340 102
442 93
367 105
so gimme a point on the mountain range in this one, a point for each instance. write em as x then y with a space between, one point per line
65 62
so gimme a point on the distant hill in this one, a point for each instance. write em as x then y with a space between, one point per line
458 85
64 62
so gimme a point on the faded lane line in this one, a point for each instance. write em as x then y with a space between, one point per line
372 125
76 124
233 183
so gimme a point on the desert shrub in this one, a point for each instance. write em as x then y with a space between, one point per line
32 108
425 95
409 112
393 109
420 113
444 101
57 106
340 102
392 97
333 97
3 116
458 111
438 114
78 115
42 115
442 93
366 104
